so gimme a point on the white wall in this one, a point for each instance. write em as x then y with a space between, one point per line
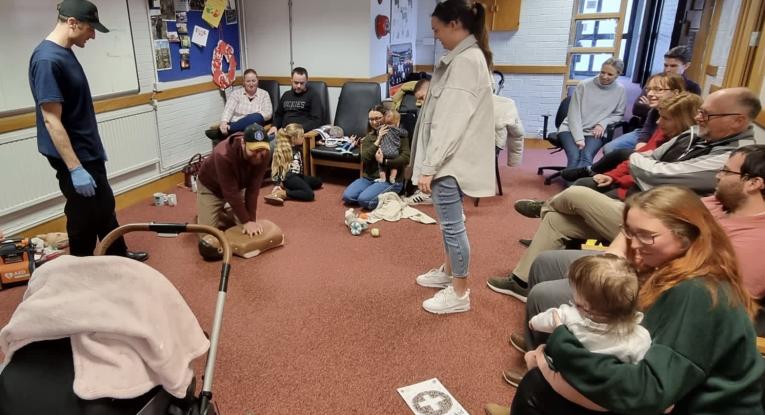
168 135
378 47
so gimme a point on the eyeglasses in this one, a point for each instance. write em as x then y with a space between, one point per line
644 238
707 116
657 89
726 171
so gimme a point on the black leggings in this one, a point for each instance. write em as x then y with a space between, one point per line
536 397
300 187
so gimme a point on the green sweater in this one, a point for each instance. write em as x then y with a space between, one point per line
371 166
703 359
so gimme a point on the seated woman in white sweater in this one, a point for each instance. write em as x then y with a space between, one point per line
596 102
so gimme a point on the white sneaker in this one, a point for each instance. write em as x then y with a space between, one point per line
446 301
418 198
435 278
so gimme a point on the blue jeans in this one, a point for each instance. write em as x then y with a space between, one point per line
364 191
247 120
575 156
626 141
447 199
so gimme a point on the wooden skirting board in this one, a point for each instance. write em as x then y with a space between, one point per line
516 69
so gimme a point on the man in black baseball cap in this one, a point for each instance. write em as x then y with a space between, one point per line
67 130
82 10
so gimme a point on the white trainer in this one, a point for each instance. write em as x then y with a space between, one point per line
418 198
435 278
446 301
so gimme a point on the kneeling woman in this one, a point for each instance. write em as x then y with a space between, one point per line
364 190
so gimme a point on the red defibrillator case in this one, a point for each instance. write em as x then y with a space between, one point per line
16 261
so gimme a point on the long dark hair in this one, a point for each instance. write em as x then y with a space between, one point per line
472 15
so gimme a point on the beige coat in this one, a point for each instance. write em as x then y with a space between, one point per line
454 135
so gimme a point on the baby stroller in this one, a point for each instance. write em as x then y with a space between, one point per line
39 377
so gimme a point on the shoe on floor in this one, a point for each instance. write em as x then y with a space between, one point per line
525 242
494 409
513 376
518 342
137 255
273 199
435 278
446 301
508 286
529 208
418 198
575 173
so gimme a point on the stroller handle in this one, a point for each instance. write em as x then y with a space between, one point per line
165 228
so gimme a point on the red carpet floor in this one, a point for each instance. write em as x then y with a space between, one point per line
332 323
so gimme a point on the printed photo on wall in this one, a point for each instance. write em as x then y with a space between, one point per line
159 28
168 9
173 37
231 17
182 28
153 4
181 17
197 4
162 55
185 41
400 65
185 61
181 5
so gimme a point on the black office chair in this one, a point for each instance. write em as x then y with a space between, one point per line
321 89
356 98
553 139
272 87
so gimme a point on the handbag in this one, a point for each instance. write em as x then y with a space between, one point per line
191 170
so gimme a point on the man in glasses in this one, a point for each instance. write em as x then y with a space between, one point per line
691 159
67 131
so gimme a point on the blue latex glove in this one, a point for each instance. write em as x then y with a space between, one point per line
83 182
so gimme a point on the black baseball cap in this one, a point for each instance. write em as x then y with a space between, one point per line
82 10
255 138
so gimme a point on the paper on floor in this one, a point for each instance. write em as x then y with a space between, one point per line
431 397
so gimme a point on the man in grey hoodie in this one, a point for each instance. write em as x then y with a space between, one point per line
691 159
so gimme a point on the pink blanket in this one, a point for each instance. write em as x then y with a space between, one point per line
130 328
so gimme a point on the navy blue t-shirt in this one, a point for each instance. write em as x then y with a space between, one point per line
55 75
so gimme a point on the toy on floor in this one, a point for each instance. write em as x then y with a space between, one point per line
354 223
375 232
55 240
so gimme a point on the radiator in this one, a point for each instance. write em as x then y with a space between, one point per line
130 139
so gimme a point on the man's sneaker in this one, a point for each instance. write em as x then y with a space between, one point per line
508 285
513 376
575 173
494 409
418 198
446 301
435 278
518 342
529 208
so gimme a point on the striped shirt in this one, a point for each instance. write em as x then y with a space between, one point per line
239 104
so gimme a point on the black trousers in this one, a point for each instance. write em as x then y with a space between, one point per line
536 397
301 187
88 219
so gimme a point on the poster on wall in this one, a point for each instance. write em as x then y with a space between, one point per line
162 55
400 65
403 27
213 11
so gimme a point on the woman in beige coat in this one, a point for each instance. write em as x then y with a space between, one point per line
453 148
